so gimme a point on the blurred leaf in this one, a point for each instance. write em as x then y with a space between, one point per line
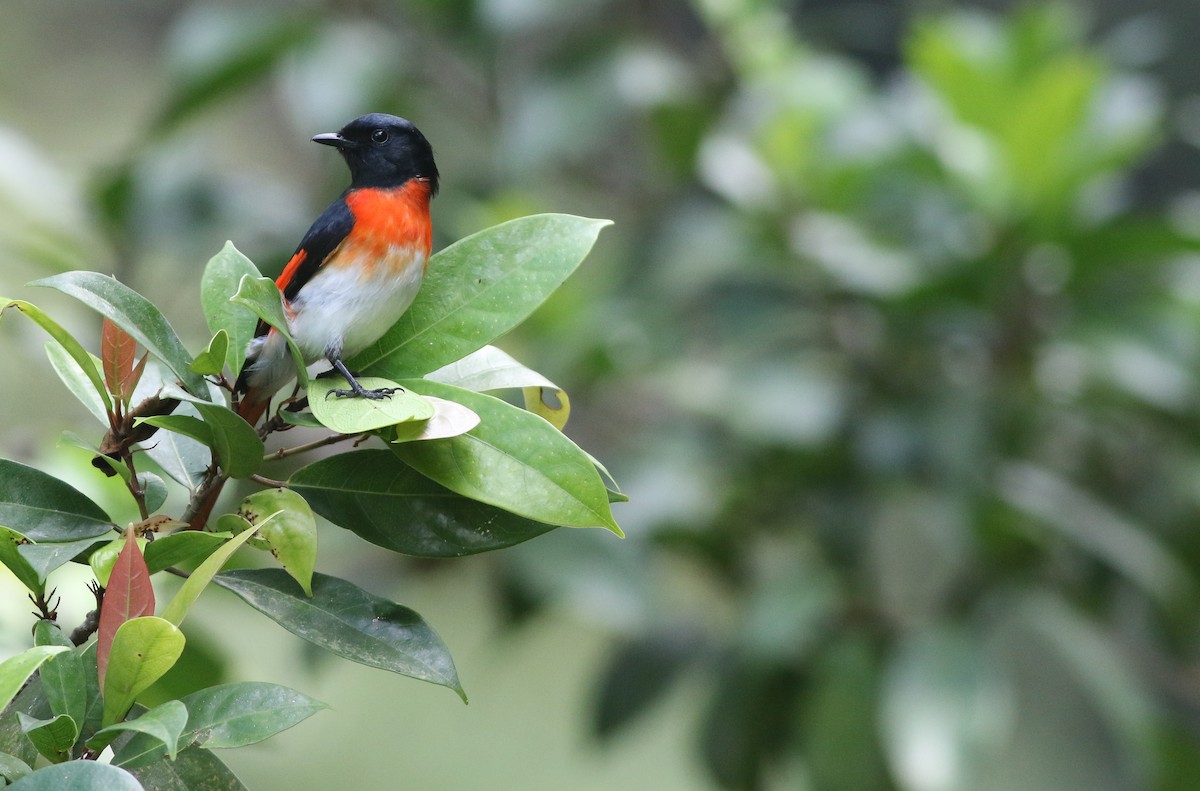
78 776
43 508
68 342
513 460
136 315
143 649
354 415
354 624
379 498
218 285
479 288
16 670
13 768
640 673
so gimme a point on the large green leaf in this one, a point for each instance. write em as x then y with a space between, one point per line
356 415
194 585
143 649
13 768
218 284
228 715
16 670
163 723
478 289
513 460
186 546
262 297
238 447
289 530
77 353
136 315
78 776
43 508
76 379
181 457
490 368
383 500
350 622
194 769
46 557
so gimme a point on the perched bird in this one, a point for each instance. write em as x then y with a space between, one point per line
359 266
356 270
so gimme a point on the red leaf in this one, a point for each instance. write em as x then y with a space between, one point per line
128 595
117 352
132 380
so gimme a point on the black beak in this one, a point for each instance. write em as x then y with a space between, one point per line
332 139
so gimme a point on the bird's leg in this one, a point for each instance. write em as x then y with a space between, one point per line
355 388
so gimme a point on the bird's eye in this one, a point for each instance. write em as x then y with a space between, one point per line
379 136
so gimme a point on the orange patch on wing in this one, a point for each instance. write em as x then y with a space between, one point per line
386 219
289 271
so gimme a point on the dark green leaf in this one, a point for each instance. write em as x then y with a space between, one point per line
13 768
53 737
181 457
513 460
640 673
163 724
177 609
49 633
65 685
348 621
46 557
30 701
154 490
238 447
381 499
478 289
16 670
218 284
12 558
78 776
136 315
194 770
188 546
43 508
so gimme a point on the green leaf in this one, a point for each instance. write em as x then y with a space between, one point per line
105 557
64 682
163 723
384 501
154 490
13 768
490 368
184 425
513 460
342 618
195 584
187 546
262 297
211 361
43 508
53 737
449 420
193 769
49 633
143 649
76 379
46 557
179 456
136 315
289 530
238 448
68 342
10 543
16 670
78 776
228 715
218 285
478 289
353 415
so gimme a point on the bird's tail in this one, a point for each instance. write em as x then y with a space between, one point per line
252 406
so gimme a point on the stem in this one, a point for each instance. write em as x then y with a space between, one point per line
283 453
213 481
139 494
271 482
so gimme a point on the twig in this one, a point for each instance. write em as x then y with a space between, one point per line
283 453
271 482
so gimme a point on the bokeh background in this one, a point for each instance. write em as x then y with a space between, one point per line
894 347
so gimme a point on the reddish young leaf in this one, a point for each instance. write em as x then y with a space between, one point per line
128 595
132 380
117 351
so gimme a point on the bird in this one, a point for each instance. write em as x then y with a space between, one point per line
355 272
359 266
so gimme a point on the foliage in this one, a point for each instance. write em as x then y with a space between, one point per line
474 447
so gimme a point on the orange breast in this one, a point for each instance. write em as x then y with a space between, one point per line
388 219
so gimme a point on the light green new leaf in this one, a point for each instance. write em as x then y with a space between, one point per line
262 297
76 379
53 738
211 361
513 460
186 546
195 584
143 649
490 368
218 285
163 723
68 342
136 315
16 670
479 288
289 530
10 543
78 776
354 415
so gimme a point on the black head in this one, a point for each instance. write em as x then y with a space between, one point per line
383 151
